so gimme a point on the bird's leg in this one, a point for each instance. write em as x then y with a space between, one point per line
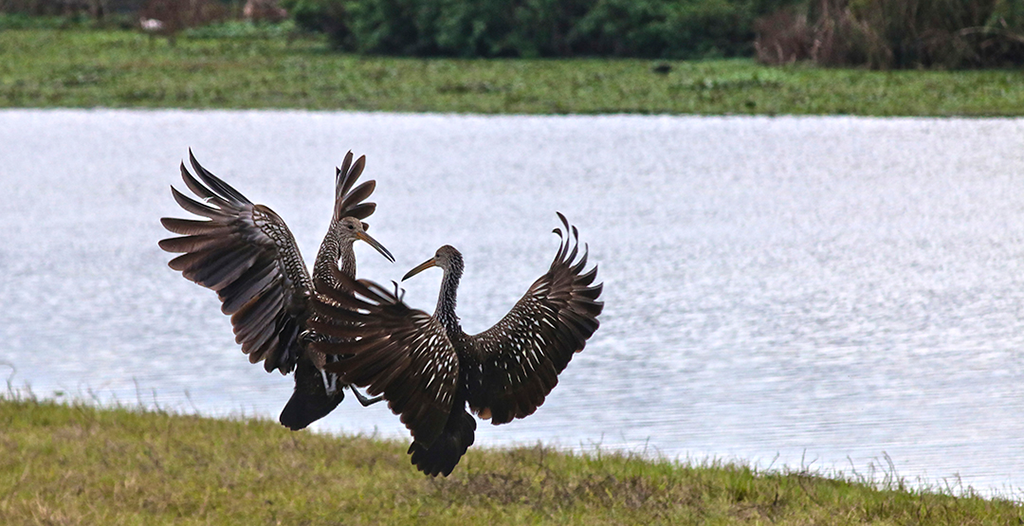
366 402
330 382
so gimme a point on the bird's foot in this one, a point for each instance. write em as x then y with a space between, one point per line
366 402
309 336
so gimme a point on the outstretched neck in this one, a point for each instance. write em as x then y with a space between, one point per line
332 250
446 298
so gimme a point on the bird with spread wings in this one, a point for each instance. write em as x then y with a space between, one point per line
428 369
246 253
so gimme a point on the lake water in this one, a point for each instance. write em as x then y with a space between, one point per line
818 292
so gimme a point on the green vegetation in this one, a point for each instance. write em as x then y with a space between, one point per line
73 68
878 33
538 28
75 464
883 34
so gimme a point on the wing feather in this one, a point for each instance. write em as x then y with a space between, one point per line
255 317
522 355
361 211
195 243
246 254
245 288
219 187
192 227
358 195
401 353
195 207
349 202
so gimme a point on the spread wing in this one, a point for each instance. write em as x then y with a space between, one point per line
390 349
348 202
522 355
245 253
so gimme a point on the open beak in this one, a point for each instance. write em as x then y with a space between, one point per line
432 262
373 243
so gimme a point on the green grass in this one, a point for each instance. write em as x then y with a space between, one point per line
76 464
80 68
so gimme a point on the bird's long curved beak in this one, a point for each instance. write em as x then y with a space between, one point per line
375 244
432 262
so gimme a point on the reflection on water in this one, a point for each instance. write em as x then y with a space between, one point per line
821 290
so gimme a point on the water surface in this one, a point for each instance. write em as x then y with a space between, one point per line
804 291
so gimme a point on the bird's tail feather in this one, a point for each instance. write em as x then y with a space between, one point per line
310 401
444 454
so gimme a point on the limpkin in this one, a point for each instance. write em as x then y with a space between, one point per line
428 369
247 254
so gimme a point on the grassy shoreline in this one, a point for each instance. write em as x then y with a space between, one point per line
120 69
78 464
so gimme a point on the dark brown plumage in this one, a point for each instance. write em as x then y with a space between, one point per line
428 369
246 253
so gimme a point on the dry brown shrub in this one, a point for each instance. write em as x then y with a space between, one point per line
176 15
263 10
783 37
884 34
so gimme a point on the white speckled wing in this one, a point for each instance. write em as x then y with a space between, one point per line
520 357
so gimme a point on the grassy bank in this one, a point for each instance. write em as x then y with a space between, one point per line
77 68
74 464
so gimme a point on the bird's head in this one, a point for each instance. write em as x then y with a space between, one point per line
446 257
351 230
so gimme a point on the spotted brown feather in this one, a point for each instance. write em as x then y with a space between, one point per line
246 253
402 353
503 373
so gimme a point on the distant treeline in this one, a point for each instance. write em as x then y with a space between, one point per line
539 28
71 8
875 33
872 33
